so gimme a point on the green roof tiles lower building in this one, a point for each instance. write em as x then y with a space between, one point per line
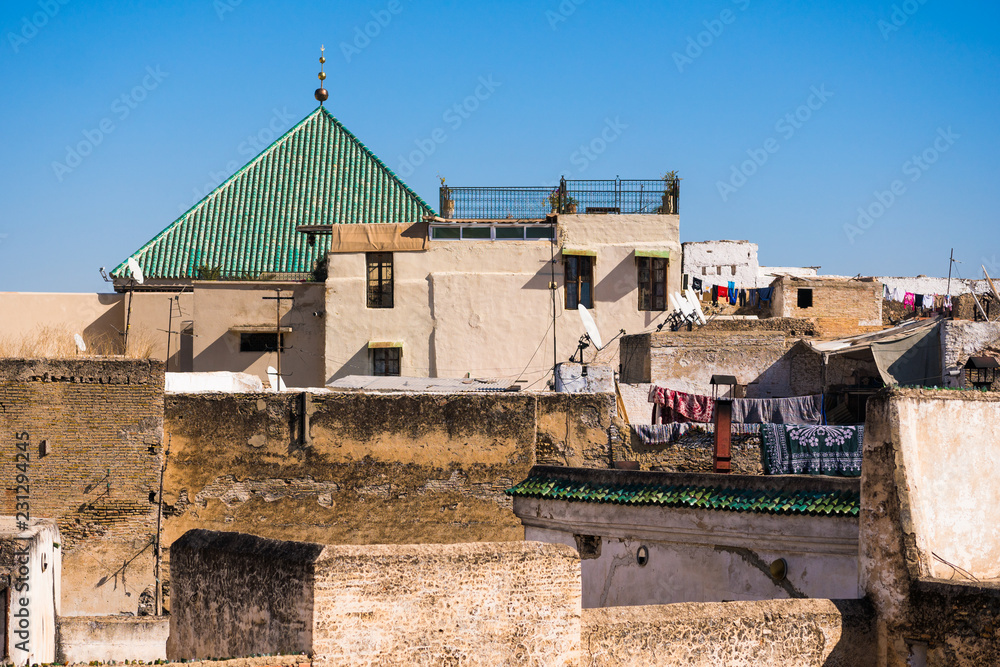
317 173
624 488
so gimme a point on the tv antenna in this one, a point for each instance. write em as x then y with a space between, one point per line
277 382
137 277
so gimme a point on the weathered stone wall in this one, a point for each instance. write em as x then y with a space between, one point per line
827 633
840 307
102 421
237 595
112 638
375 468
928 493
686 360
693 452
512 603
961 340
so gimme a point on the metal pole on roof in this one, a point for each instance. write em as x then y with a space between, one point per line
951 260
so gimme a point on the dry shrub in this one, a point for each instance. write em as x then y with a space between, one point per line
55 342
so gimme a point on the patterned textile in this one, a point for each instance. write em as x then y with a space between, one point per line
794 410
678 406
696 284
665 434
788 449
908 299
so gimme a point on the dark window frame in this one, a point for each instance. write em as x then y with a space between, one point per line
646 276
379 279
261 341
390 359
578 271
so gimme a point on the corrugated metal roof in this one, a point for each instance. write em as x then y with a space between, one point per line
317 173
769 501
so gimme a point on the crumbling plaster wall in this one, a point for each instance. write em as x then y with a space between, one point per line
718 262
767 633
376 468
926 527
469 604
103 422
961 340
512 603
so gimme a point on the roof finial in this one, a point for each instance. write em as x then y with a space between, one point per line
321 93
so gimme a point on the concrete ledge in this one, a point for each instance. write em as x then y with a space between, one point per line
828 633
111 638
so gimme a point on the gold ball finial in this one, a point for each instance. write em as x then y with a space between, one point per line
321 93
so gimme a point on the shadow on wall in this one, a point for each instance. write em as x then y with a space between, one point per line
544 275
109 326
224 355
356 365
619 282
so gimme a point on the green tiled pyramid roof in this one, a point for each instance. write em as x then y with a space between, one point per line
769 501
317 173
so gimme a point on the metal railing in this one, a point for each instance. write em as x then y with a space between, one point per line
535 203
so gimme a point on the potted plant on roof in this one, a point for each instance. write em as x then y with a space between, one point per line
670 191
447 203
561 204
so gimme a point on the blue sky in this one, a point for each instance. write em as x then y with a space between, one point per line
860 137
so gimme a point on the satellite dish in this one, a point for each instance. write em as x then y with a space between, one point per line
590 325
80 345
136 270
276 382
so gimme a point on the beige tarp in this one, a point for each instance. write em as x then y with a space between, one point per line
912 361
371 237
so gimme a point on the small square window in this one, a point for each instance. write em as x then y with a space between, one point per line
385 361
259 342
805 297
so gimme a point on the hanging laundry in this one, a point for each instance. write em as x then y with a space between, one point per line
766 293
731 290
897 294
908 300
793 410
811 450
678 406
928 301
743 297
715 295
947 302
918 301
938 301
696 284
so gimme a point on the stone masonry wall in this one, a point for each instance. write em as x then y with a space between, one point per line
237 595
839 307
375 468
768 633
102 421
515 603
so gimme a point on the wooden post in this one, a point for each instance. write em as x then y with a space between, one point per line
723 435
